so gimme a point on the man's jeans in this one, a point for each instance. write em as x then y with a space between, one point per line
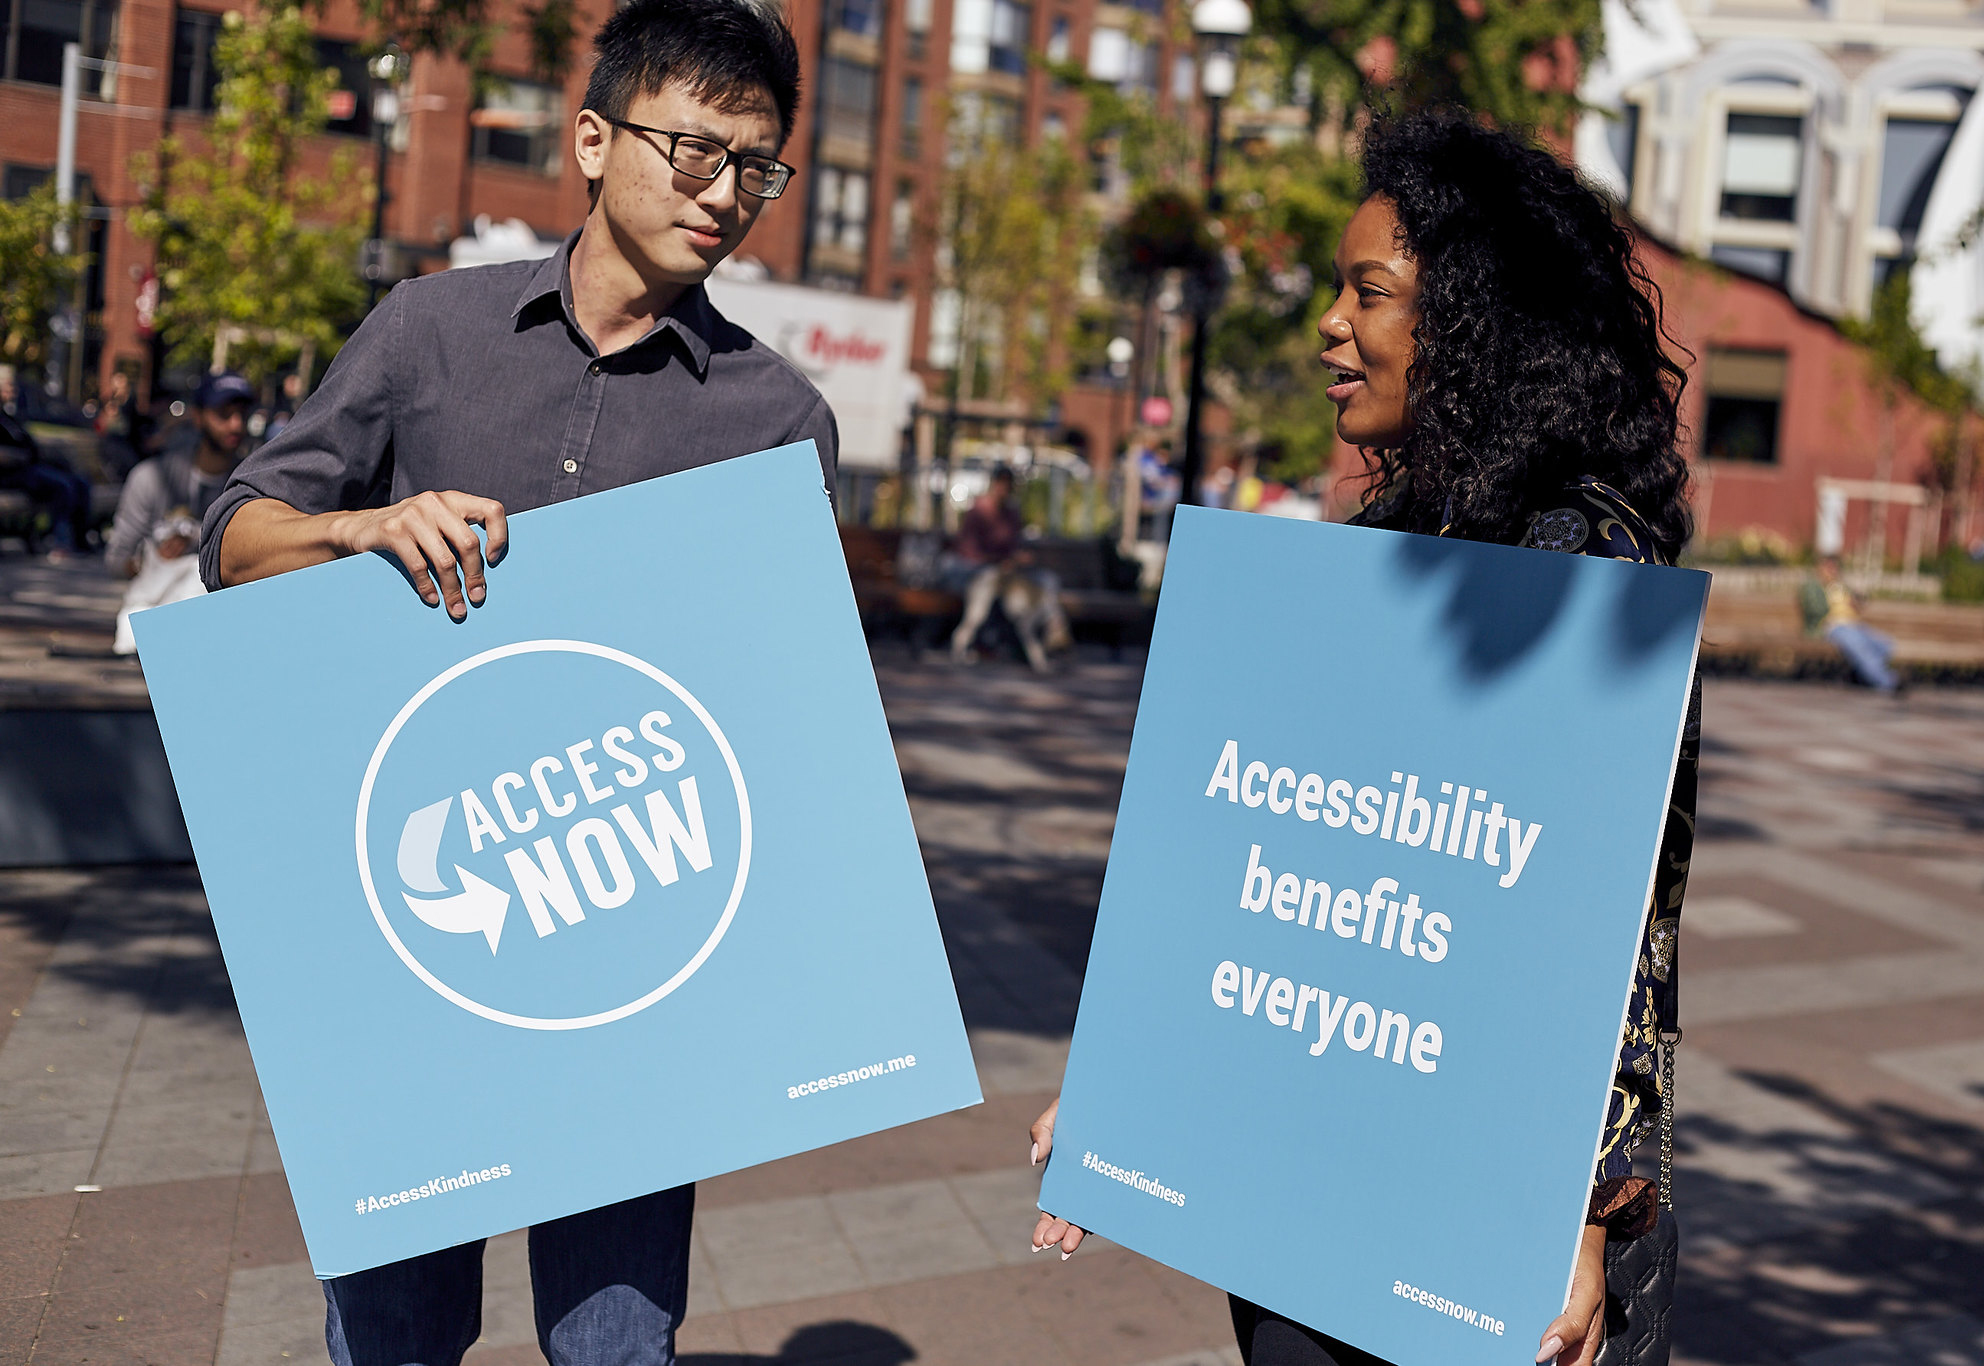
610 1286
1867 650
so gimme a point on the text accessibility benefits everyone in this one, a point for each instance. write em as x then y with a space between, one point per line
1465 825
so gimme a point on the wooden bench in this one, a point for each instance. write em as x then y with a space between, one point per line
17 518
1098 588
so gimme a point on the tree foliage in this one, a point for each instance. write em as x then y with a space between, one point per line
1014 227
1124 129
1902 362
34 279
1515 61
1899 356
466 29
246 237
1286 208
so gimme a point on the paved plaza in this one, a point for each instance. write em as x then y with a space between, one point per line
1832 1082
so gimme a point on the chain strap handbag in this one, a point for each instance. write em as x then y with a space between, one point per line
1639 1273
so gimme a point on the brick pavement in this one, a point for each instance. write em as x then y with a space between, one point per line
1832 1083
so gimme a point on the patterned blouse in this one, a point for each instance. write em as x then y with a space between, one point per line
1591 518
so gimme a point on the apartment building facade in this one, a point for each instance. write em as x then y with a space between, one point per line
885 78
1806 152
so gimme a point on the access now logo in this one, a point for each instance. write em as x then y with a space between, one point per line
590 847
478 908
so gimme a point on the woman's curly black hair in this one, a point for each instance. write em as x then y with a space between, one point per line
1539 342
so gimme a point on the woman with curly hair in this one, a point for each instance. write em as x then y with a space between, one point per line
1496 351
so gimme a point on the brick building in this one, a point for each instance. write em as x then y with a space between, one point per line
882 81
1809 152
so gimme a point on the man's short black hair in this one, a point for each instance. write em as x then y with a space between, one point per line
729 53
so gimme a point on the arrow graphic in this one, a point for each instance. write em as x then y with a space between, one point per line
479 908
420 846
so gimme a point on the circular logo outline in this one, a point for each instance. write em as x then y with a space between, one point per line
640 666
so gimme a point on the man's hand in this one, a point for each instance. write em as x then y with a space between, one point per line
432 535
1573 1338
1049 1231
172 547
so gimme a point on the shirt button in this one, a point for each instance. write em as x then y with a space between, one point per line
593 368
571 467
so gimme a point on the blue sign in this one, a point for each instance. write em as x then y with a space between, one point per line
1373 904
609 888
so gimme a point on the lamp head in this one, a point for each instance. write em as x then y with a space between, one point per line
1222 19
388 66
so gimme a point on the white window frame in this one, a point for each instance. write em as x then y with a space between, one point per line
1928 106
1714 229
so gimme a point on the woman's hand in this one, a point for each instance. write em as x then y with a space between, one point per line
1573 1337
1050 1232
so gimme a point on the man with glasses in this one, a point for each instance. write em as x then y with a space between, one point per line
474 393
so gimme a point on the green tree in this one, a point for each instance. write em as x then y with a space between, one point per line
466 30
245 237
1900 362
1286 208
1124 128
1012 233
1516 61
34 278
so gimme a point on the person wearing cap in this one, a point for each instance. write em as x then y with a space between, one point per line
158 514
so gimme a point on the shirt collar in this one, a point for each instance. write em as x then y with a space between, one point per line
691 318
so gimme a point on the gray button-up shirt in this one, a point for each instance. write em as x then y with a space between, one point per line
481 380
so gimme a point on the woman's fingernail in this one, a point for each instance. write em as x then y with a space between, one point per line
1552 1345
1043 1247
1034 1160
1065 1254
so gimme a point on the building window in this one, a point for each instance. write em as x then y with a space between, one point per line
1622 136
912 117
1012 32
1764 263
351 102
860 17
32 33
1058 40
847 101
1760 161
902 221
990 35
940 352
1911 154
1745 397
984 118
193 75
840 210
1114 56
519 123
1184 76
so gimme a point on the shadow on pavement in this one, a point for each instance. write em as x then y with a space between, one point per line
140 932
821 1344
1844 1234
1953 805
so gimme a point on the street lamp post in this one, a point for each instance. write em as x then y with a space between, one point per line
1121 351
1219 26
387 70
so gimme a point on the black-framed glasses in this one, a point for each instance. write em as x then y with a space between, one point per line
759 176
